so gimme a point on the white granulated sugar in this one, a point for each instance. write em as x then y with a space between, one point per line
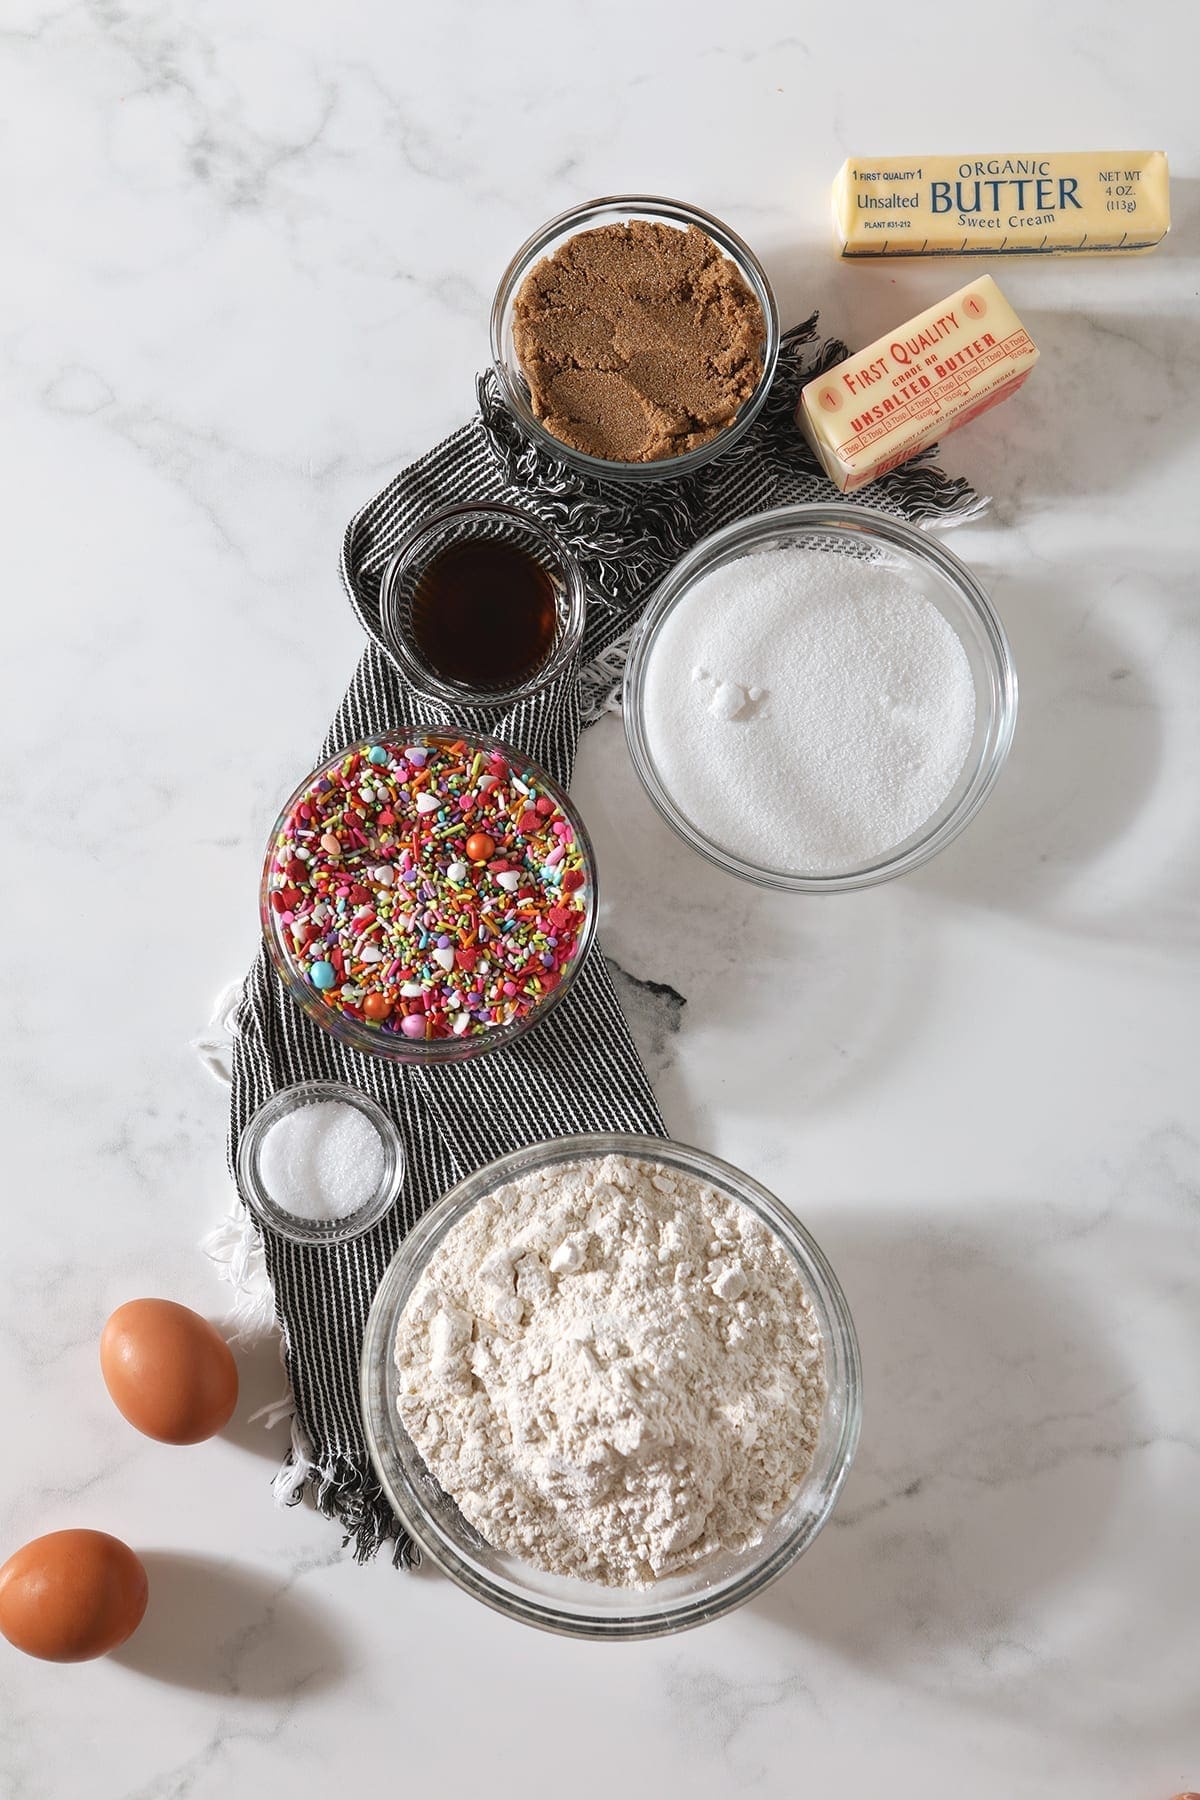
614 1371
322 1161
807 711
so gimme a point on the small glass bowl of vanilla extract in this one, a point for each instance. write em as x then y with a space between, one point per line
481 605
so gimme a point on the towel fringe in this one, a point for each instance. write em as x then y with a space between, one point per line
214 1045
339 1493
235 1246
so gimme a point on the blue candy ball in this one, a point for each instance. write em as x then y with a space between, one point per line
323 974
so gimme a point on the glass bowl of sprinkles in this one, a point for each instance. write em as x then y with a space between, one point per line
428 895
571 1605
819 698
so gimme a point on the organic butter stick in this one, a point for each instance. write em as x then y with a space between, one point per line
1002 205
874 411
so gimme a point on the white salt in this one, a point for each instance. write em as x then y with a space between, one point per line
322 1161
808 711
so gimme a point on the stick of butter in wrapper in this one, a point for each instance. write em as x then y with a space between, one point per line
1002 205
874 411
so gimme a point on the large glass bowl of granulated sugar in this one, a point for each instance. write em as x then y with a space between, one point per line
819 697
512 1584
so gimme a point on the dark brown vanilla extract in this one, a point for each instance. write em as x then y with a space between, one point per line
484 614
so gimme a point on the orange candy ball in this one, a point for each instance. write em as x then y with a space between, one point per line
377 1007
480 846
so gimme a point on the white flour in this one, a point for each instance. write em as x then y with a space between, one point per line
614 1370
808 711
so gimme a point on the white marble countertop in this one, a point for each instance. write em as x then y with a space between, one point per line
249 253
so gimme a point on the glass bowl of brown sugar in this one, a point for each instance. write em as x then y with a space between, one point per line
634 338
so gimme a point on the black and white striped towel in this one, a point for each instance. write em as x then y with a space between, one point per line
579 1070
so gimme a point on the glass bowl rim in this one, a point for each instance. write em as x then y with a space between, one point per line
392 1046
578 218
818 1277
568 640
292 1226
798 520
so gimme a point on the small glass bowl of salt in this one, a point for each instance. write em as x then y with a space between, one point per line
320 1163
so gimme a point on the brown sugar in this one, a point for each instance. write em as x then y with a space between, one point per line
639 341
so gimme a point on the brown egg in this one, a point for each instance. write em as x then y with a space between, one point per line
168 1370
71 1595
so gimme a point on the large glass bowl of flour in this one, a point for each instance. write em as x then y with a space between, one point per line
819 697
572 1606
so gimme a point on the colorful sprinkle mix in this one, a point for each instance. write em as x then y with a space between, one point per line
428 890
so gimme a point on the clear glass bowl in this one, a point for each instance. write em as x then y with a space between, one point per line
258 1195
841 529
473 523
619 209
574 1607
377 1040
